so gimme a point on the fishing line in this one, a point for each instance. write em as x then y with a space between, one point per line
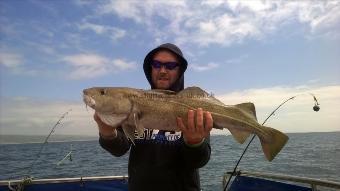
315 108
68 156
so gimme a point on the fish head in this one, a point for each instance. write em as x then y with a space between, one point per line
107 100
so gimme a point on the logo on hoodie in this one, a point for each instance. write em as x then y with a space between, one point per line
159 137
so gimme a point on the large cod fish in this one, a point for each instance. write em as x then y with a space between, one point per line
134 109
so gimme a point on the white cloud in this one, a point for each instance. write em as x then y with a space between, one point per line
297 114
125 10
113 32
141 12
29 116
15 63
85 60
213 4
201 68
123 65
226 22
10 60
93 65
87 65
324 23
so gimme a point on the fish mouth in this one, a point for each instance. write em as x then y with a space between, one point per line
89 101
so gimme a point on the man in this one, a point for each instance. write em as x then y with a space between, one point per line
164 160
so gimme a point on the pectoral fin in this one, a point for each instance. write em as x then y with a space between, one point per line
138 125
129 132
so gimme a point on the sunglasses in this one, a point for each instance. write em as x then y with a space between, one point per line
168 65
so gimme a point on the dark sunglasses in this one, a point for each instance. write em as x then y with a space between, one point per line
168 65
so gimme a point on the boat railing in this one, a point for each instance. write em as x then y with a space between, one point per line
313 182
63 180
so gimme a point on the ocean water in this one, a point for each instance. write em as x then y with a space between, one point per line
315 155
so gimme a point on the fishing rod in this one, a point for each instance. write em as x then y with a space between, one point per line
316 108
45 142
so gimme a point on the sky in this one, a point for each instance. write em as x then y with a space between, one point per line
259 51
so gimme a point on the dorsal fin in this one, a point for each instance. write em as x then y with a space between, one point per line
248 108
193 92
215 101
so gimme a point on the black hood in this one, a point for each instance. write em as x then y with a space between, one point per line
179 84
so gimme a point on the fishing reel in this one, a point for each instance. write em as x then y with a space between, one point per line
316 104
316 107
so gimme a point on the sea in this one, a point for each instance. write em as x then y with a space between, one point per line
313 155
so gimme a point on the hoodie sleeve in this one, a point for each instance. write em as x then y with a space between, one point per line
196 157
117 146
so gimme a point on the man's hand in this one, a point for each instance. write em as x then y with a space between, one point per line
194 134
105 131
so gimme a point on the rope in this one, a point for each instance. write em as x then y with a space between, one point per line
21 185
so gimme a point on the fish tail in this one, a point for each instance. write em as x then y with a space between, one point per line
273 142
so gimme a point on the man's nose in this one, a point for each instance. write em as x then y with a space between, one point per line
162 69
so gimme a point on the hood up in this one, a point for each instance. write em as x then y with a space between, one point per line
179 84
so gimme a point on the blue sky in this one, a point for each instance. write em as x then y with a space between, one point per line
241 51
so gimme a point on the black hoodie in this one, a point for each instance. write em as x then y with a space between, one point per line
161 160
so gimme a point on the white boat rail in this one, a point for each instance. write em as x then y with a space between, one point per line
61 180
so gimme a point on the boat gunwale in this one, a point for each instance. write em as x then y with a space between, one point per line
64 180
297 179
